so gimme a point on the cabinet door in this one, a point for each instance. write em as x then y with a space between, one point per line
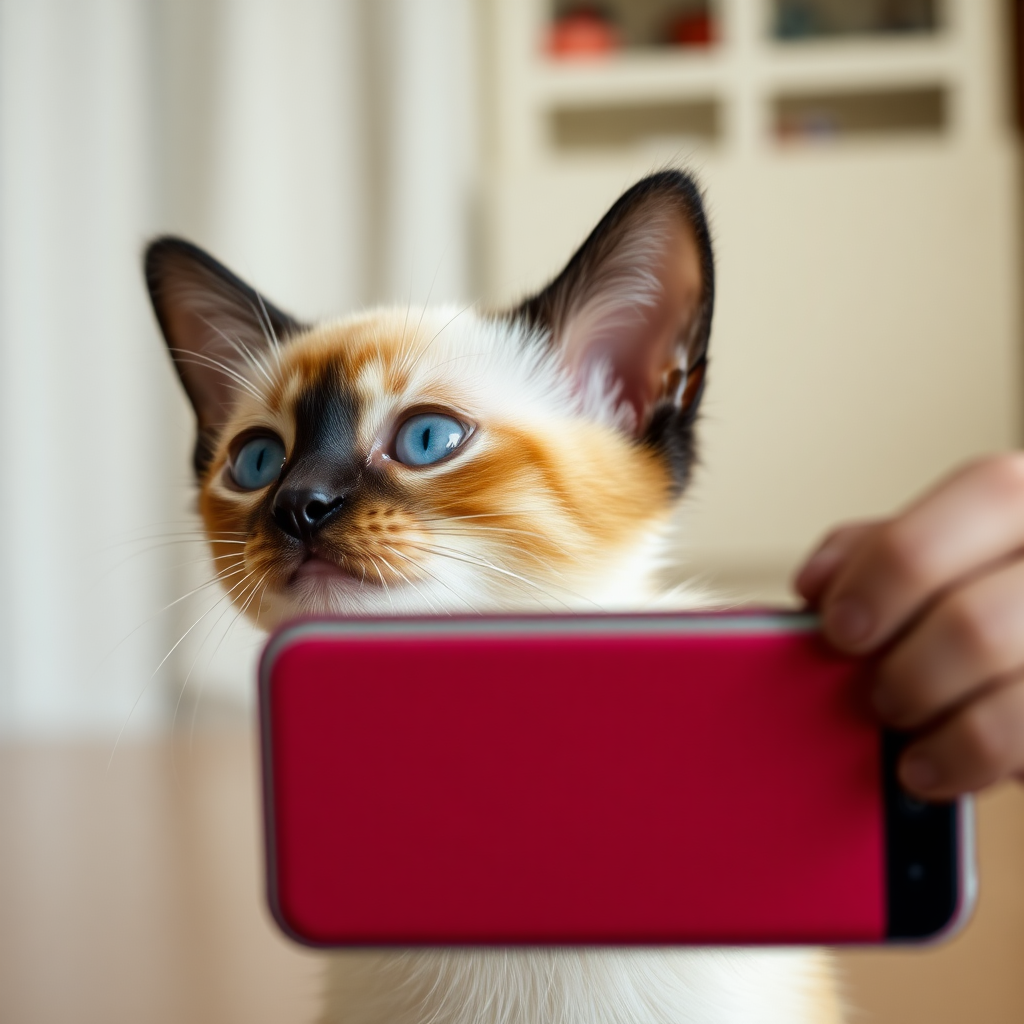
866 328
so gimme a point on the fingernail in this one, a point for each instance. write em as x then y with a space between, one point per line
847 622
919 772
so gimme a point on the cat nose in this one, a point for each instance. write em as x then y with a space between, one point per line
300 513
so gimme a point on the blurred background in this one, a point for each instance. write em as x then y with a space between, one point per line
861 165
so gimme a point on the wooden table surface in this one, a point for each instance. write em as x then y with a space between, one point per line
132 895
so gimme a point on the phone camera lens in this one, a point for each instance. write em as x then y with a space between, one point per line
915 872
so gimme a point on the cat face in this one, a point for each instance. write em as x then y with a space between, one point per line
450 461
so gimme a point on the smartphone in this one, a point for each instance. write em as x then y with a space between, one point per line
653 779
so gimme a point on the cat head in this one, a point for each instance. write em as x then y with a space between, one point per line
450 460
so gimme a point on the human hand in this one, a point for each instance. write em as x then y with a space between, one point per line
936 595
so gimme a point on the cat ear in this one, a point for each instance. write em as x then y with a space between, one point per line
631 313
216 328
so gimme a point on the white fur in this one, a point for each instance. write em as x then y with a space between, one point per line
567 986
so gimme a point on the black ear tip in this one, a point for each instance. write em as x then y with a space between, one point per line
674 177
158 255
680 187
165 249
670 180
162 246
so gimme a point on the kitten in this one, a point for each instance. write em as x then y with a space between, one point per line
460 462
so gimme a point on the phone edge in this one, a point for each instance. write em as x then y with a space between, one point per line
696 623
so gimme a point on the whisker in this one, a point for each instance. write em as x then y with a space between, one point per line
232 387
458 555
422 568
398 572
267 327
259 608
241 612
511 547
249 356
166 539
423 351
217 578
163 661
226 596
430 290
496 529
481 515
234 587
394 570
240 348
153 547
405 323
208 558
513 532
202 359
188 675
384 583
190 525
206 360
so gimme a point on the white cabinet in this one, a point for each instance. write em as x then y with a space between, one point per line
862 192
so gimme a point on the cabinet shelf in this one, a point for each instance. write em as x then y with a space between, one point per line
628 76
648 76
858 64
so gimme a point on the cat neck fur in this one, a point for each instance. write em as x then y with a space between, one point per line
568 986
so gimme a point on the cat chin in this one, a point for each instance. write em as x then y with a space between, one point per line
321 588
315 567
327 592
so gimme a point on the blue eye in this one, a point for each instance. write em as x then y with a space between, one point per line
258 463
428 438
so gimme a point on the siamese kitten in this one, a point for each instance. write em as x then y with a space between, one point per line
462 462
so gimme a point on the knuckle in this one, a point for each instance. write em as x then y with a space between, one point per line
984 740
905 554
1005 472
973 629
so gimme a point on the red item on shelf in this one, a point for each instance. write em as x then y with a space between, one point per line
583 34
693 30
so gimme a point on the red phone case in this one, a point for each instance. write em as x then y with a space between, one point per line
578 780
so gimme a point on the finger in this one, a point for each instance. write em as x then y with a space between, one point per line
814 575
973 636
981 744
972 519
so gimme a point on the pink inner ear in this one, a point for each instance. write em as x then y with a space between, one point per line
639 314
207 324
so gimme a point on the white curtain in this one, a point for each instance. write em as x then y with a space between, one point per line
322 148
